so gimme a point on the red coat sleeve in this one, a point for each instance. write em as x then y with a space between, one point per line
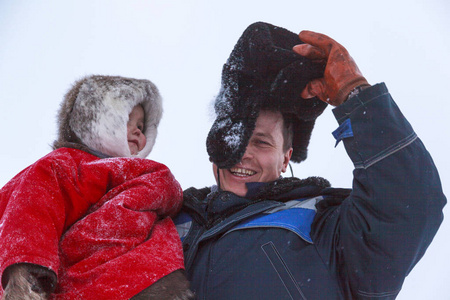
38 204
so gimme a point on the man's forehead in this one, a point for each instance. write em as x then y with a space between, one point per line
269 124
262 133
269 120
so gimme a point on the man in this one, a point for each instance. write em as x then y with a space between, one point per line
259 236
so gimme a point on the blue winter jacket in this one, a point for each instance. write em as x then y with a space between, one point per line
301 239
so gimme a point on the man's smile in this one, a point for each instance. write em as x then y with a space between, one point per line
242 172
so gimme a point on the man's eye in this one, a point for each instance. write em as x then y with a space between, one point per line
261 142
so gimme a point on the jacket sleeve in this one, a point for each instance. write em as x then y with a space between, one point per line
37 205
376 236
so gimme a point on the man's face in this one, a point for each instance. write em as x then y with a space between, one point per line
264 158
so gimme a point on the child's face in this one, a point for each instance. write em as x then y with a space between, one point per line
135 128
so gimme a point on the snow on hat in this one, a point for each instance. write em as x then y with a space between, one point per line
95 113
262 72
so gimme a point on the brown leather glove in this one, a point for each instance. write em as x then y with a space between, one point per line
173 286
28 282
341 74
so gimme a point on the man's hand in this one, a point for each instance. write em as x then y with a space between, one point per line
173 286
28 282
341 74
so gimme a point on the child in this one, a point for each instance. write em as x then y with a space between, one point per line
91 220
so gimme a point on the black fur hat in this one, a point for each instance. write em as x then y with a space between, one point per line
262 72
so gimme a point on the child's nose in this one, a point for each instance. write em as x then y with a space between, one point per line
137 131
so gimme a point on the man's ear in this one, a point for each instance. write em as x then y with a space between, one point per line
286 159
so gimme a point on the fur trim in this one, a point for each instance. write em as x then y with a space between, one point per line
275 189
218 209
95 112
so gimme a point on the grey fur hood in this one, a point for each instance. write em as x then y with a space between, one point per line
94 114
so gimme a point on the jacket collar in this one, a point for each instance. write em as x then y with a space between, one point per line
212 205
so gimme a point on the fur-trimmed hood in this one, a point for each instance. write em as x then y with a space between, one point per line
94 114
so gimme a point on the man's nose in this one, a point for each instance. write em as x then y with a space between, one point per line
248 154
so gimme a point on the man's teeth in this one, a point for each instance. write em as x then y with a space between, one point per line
242 172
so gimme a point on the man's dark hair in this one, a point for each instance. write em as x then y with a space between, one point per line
288 131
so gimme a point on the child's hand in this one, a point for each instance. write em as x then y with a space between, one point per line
174 286
27 282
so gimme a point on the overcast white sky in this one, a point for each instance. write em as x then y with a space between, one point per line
181 46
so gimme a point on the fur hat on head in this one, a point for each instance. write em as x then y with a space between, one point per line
94 114
262 72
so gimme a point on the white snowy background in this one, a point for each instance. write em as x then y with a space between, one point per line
181 46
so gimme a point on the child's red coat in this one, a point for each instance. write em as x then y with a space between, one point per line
100 224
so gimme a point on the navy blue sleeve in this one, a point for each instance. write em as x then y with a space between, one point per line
373 238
